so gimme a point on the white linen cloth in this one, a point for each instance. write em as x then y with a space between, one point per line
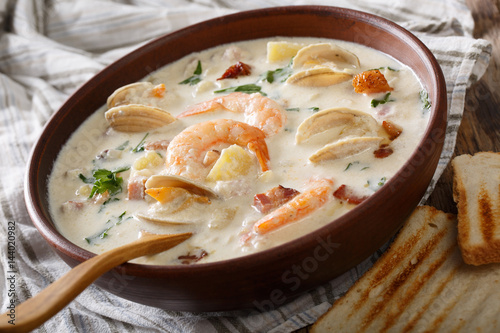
50 48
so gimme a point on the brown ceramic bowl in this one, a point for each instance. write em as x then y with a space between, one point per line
268 279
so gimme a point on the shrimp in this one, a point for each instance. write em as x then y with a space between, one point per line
369 82
186 151
317 193
259 111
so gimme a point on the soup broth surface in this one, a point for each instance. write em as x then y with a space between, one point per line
314 190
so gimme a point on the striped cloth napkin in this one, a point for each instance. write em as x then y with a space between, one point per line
49 48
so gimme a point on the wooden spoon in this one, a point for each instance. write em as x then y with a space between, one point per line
38 309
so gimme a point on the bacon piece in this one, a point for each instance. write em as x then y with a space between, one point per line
191 258
136 187
72 206
157 145
273 198
370 82
383 152
392 129
347 194
238 69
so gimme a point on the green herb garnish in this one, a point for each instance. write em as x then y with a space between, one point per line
140 146
195 78
107 202
424 98
122 146
313 109
107 226
293 109
376 102
389 68
382 181
105 180
350 165
279 74
246 88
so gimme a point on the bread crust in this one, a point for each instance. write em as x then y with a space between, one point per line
420 284
476 190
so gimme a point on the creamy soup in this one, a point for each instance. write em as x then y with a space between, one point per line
248 146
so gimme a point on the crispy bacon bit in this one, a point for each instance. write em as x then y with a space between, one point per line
275 197
238 69
347 194
158 90
157 145
191 258
136 187
370 82
392 129
383 152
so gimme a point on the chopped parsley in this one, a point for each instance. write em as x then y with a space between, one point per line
107 226
424 98
195 78
140 145
377 102
246 88
105 180
389 68
122 146
279 74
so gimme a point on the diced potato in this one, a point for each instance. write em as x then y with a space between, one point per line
233 162
279 51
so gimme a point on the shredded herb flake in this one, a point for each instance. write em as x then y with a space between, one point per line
377 102
424 98
195 78
389 68
140 146
122 146
293 109
107 226
350 165
279 74
246 88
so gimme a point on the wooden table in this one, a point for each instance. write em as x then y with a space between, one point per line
480 128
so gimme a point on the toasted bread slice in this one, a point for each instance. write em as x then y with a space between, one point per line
476 190
420 284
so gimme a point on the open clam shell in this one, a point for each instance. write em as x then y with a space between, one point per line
343 120
137 118
161 219
121 96
178 181
345 148
325 54
318 77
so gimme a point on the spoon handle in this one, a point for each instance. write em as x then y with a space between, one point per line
38 309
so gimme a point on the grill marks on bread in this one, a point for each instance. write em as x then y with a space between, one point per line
476 189
420 284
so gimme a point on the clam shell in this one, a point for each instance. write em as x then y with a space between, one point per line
137 118
178 181
121 95
345 121
318 77
326 54
345 148
160 219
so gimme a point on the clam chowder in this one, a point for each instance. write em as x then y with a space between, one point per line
248 146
